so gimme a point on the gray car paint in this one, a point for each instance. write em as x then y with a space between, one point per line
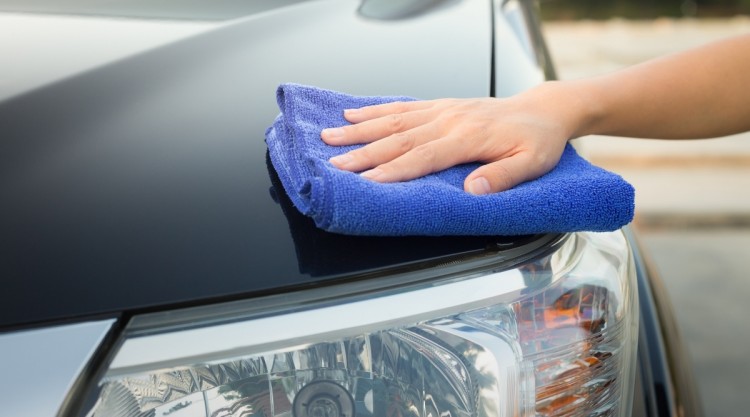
40 366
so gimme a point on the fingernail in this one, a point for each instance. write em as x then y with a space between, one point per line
479 186
335 132
351 112
341 160
372 174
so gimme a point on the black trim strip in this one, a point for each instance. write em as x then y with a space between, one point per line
75 404
492 48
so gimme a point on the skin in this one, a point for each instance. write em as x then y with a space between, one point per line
700 93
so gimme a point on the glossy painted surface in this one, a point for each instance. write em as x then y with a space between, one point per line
194 10
55 47
143 183
39 367
512 40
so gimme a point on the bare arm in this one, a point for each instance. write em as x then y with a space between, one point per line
704 92
700 93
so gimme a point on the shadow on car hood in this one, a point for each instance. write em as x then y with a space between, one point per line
142 184
321 254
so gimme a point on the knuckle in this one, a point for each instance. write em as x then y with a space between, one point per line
451 119
539 159
503 177
396 122
465 142
469 147
426 155
363 155
404 142
483 130
465 149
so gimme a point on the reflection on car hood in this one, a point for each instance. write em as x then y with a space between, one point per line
148 9
142 184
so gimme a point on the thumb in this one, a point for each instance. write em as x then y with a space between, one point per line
500 175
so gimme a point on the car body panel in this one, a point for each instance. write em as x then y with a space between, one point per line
512 40
41 366
143 183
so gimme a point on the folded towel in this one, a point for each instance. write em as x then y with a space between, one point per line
574 196
321 253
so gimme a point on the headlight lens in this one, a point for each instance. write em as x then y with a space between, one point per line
554 337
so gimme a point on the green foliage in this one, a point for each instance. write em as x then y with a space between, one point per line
641 9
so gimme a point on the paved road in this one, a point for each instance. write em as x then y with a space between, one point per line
692 201
706 275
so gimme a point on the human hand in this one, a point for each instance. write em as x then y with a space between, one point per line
518 139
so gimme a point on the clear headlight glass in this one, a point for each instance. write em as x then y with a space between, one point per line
554 337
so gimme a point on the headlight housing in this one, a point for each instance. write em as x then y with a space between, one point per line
553 337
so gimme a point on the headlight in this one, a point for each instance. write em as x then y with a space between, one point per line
554 337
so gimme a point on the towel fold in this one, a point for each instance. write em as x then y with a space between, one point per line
574 196
321 253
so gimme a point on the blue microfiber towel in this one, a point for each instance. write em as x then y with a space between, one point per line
574 196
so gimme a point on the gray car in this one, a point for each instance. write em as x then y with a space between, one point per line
153 266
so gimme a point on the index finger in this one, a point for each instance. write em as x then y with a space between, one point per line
421 160
380 110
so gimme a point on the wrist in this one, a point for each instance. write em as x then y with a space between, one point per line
577 105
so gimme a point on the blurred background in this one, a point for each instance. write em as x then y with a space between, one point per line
692 197
642 9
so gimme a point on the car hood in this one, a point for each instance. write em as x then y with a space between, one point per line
141 182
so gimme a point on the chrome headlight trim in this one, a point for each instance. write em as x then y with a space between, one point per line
552 336
270 333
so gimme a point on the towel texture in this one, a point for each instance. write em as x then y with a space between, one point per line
574 196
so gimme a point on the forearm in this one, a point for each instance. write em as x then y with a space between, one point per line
701 93
704 92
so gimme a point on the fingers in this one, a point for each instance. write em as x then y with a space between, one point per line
421 160
518 141
502 175
381 110
385 150
376 122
